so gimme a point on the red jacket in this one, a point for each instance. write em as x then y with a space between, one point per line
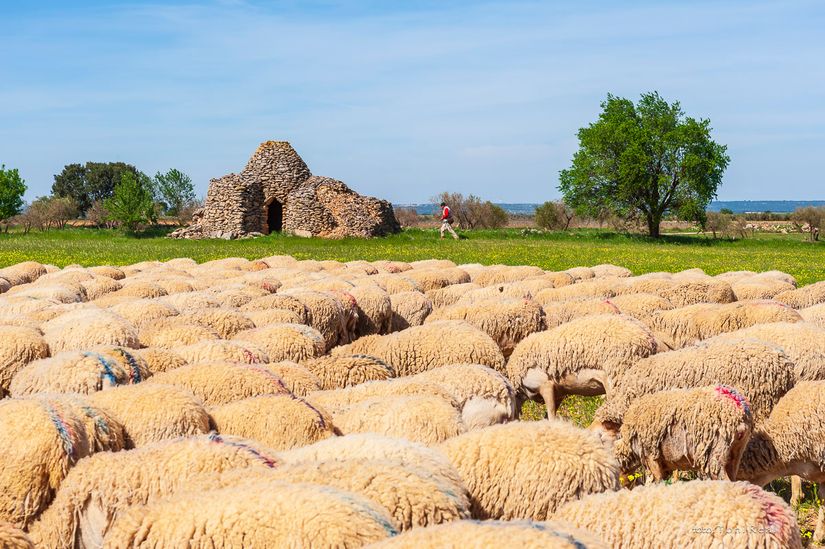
445 213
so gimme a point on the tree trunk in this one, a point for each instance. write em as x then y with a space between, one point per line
653 222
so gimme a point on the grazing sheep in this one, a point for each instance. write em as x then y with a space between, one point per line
86 328
560 312
421 418
18 347
579 357
409 309
297 378
276 514
501 274
76 372
143 311
474 534
599 287
23 273
108 271
435 278
294 342
697 514
814 314
392 266
140 288
374 309
172 332
191 301
100 488
160 360
691 291
704 430
340 400
41 439
220 350
581 273
153 412
65 292
280 422
99 287
226 322
396 283
527 469
761 372
759 288
610 271
327 314
444 297
429 346
640 306
506 320
218 383
13 538
273 316
801 298
336 372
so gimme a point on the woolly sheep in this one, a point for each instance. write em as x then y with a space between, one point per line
528 469
579 357
444 297
612 271
76 372
761 372
100 488
173 332
560 312
806 296
759 288
23 273
581 273
335 372
420 418
297 378
13 538
473 534
139 288
88 328
500 274
396 283
218 383
691 291
99 287
435 278
374 309
704 429
327 314
277 301
340 400
226 322
160 360
153 412
421 348
640 306
295 342
222 350
18 347
42 439
432 264
108 271
392 266
235 297
814 314
191 301
280 422
143 311
506 320
409 309
599 287
699 513
276 514
273 316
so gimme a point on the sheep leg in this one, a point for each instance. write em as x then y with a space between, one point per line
548 393
819 531
796 491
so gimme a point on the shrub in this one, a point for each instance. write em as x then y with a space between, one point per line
12 187
809 218
555 216
132 203
98 214
187 212
407 217
471 212
718 223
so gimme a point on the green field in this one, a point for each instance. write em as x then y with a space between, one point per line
551 251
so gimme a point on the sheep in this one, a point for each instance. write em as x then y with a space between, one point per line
327 314
501 274
63 292
335 372
392 266
13 538
280 422
76 372
806 296
143 311
507 321
18 347
107 271
222 350
172 332
42 439
814 314
409 309
340 400
759 288
139 288
600 287
761 372
699 513
160 360
190 301
296 377
5 285
790 441
579 357
396 283
295 342
275 514
103 432
641 306
435 278
374 309
99 287
704 429
273 316
100 488
23 273
611 271
421 348
581 273
494 533
84 329
691 291
444 297
218 383
433 264
235 297
153 412
803 342
226 322
560 312
526 470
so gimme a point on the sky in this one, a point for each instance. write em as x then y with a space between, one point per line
403 100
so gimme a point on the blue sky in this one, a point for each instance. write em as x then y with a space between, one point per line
405 99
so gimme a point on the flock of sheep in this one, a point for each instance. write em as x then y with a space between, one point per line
290 403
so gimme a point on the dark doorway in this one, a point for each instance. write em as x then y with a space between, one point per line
275 216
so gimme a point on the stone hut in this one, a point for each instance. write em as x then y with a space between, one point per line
276 192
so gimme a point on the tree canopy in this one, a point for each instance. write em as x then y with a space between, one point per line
131 204
174 188
94 181
12 188
647 160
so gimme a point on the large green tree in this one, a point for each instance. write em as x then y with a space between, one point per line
131 204
94 181
174 188
647 160
12 188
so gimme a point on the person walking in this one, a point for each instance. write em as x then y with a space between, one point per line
447 221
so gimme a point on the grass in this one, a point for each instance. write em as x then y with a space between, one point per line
551 251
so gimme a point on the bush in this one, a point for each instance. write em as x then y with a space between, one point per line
12 188
407 217
555 216
718 223
187 212
810 219
132 204
98 215
471 212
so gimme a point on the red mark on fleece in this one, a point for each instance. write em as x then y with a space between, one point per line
738 398
613 306
775 514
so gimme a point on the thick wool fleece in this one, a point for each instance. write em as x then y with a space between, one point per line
435 278
814 314
705 425
106 485
280 422
218 383
221 350
409 309
339 400
88 328
18 347
327 314
429 346
806 296
144 311
277 301
298 379
501 274
275 514
509 468
475 534
13 538
374 309
337 372
173 332
704 514
227 322
159 359
560 312
599 287
444 297
153 412
294 342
